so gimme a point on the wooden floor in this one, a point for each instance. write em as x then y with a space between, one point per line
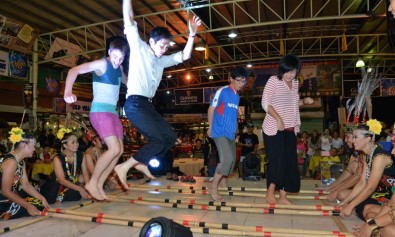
53 226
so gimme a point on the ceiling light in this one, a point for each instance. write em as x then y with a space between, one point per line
360 63
168 92
211 77
169 76
369 69
200 46
249 65
208 69
232 34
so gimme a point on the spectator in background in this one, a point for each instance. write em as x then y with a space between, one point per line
300 150
314 145
326 141
3 143
305 140
83 141
43 138
248 141
337 142
197 149
45 155
51 139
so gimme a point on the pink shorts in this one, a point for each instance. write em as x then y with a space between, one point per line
106 124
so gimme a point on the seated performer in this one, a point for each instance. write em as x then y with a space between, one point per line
343 185
384 221
14 203
70 172
375 184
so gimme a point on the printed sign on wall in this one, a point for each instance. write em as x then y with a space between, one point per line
188 96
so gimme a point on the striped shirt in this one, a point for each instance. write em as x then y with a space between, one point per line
226 102
284 101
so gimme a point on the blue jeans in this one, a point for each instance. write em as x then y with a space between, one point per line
151 125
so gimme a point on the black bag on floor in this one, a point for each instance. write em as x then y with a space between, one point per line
252 167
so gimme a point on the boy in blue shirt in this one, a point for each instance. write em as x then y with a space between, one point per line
222 119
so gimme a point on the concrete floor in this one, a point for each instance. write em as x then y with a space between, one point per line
63 227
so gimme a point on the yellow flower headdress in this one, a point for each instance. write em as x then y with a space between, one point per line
16 135
61 132
374 128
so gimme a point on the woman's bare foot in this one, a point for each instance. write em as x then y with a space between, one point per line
94 191
270 198
284 200
122 171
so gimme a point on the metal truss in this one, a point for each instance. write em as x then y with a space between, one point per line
92 38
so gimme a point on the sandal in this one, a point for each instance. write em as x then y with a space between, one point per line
169 176
191 179
184 178
175 177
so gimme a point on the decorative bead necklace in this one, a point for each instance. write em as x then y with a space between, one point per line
74 176
369 161
96 153
16 157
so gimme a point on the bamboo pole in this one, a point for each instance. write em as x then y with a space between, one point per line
229 204
243 189
230 193
99 217
238 209
22 224
84 204
34 220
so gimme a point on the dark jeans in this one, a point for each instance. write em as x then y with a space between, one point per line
152 126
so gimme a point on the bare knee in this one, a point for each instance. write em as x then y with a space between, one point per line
388 231
114 150
343 194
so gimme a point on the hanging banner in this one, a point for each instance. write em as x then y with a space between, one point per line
315 79
16 36
188 96
18 65
59 105
81 91
208 93
388 87
79 107
28 95
61 48
3 63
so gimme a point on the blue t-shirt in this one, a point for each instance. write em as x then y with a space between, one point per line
226 101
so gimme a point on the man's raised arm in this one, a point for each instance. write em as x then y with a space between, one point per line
128 15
